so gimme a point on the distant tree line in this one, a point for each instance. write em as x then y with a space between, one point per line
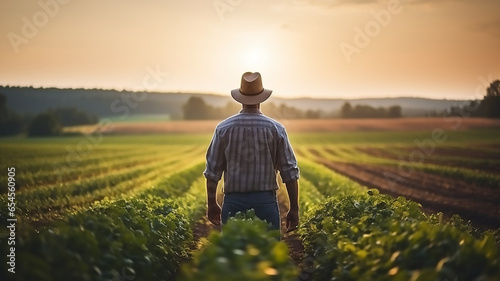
47 123
197 109
11 122
366 111
488 107
284 111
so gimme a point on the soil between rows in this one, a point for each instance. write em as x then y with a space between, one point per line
435 193
488 164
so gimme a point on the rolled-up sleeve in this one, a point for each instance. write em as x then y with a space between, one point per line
216 162
287 163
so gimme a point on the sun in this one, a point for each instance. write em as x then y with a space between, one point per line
255 58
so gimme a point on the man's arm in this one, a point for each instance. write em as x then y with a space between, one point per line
292 218
213 209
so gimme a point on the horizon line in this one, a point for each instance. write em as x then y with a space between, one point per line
222 95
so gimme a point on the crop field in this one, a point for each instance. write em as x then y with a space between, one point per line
455 172
375 204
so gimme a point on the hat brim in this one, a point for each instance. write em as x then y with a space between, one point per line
248 99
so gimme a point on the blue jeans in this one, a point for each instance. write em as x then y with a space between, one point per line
265 205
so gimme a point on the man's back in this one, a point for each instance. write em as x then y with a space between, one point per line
249 147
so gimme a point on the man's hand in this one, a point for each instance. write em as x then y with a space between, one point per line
292 220
213 213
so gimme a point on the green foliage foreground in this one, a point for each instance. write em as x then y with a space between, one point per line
376 237
245 250
145 237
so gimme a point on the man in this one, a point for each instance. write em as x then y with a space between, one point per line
249 148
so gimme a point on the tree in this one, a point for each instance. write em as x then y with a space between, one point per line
395 112
72 116
491 102
494 89
11 123
3 103
44 124
488 107
366 111
282 111
231 108
313 114
346 110
196 109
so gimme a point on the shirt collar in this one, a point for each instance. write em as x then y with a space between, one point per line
253 111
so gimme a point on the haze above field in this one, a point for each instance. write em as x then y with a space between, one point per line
322 49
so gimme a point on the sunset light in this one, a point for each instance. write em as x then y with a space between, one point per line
255 58
250 140
342 49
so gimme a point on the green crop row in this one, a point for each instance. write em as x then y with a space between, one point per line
35 203
182 187
350 154
136 237
309 197
376 237
142 238
327 182
476 177
394 138
62 172
38 158
51 160
57 198
245 250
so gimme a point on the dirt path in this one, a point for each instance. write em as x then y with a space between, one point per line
296 248
435 193
201 230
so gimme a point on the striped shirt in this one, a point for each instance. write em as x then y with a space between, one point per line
249 148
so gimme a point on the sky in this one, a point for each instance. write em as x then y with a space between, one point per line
441 49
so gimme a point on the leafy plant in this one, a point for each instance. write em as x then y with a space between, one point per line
376 237
146 238
245 250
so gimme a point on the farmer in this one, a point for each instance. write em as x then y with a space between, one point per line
249 148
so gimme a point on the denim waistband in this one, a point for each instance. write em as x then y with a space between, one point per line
253 193
250 199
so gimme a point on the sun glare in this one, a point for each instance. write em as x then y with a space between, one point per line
254 59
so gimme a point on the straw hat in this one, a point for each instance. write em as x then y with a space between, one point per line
251 90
